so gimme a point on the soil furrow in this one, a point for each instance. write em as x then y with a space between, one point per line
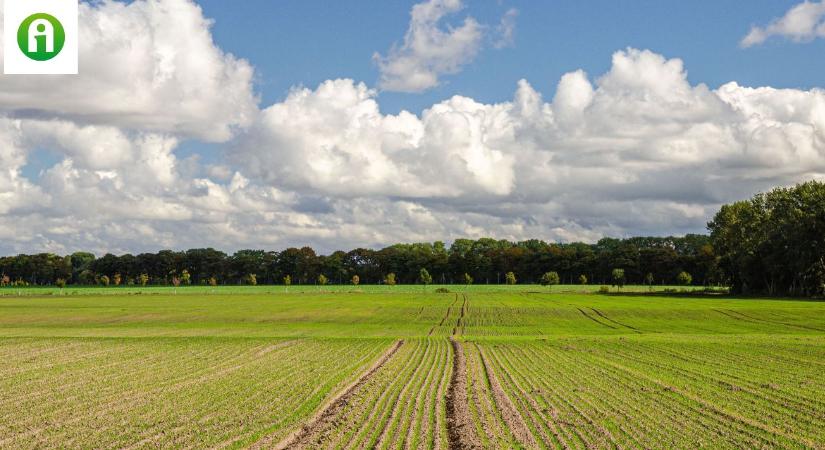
334 405
460 429
446 316
400 411
509 413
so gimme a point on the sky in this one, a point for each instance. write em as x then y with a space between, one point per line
262 124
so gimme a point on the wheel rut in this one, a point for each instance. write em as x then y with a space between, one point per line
446 316
459 419
603 316
328 413
460 433
584 313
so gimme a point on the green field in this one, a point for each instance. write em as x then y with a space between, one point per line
401 367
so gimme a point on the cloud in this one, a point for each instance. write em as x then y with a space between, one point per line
148 65
428 50
334 140
802 23
636 150
506 29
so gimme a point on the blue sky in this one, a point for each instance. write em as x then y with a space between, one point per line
306 42
269 124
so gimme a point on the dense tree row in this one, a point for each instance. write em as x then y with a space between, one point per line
774 243
485 261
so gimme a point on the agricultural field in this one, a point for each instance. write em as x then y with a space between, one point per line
515 367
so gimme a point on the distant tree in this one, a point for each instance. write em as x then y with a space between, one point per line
424 277
389 280
684 279
510 278
582 279
356 280
87 277
103 280
185 278
772 244
468 280
618 278
323 280
550 279
143 279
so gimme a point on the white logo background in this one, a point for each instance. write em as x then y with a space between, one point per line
14 61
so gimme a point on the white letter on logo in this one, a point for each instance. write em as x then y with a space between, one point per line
42 27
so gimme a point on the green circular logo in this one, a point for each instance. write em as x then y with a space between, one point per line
41 37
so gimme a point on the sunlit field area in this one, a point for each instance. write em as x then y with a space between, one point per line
401 367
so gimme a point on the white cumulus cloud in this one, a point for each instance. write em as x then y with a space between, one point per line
636 150
429 50
804 22
148 65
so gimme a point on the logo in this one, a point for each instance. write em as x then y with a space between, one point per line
40 37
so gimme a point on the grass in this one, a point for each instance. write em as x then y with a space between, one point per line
230 366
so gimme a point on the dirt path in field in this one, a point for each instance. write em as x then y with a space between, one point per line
459 419
328 413
460 430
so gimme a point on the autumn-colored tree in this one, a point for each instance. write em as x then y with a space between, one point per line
389 280
510 278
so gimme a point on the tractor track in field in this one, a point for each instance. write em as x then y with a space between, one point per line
332 408
775 322
460 322
584 313
736 315
603 316
446 316
460 433
459 418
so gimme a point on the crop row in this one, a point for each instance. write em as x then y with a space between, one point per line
620 393
400 406
121 393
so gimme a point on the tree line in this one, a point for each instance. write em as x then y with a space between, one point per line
774 243
651 260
